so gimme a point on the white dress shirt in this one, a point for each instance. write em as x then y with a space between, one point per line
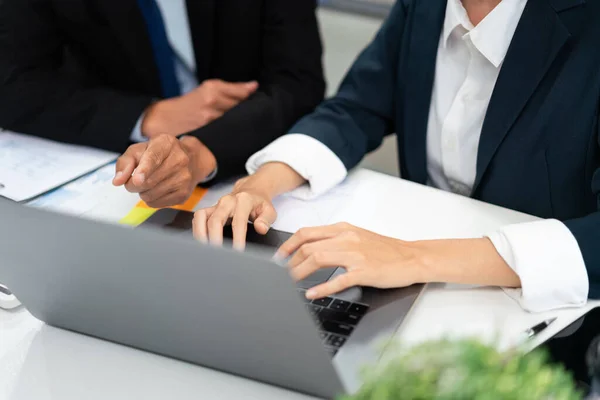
544 254
175 16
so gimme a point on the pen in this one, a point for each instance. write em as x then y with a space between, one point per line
535 330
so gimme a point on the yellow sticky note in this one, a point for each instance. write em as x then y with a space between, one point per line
189 205
137 216
141 212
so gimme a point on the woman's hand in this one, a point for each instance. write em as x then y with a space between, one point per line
246 203
370 259
250 200
382 262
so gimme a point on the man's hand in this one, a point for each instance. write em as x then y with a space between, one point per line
383 262
165 170
196 109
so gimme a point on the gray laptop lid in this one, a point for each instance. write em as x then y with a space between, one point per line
182 222
235 312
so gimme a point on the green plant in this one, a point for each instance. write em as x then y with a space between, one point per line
466 369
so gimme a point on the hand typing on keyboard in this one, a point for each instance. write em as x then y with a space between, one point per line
377 261
369 259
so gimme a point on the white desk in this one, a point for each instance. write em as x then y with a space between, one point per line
40 362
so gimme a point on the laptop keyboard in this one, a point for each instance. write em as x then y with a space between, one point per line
336 319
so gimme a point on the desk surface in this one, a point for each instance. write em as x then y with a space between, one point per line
41 362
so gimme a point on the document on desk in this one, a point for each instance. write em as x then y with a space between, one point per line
294 213
31 166
79 197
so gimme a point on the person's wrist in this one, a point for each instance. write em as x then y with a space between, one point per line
463 261
270 181
154 123
443 260
424 261
202 160
253 184
276 178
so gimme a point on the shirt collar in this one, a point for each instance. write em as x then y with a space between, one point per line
456 16
494 33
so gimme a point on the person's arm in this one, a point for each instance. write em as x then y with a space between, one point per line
551 264
546 257
558 262
308 157
38 97
374 260
543 260
291 84
323 146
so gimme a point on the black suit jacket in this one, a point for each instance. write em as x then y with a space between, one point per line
82 71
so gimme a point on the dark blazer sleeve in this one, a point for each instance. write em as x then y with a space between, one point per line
587 232
37 97
357 119
291 86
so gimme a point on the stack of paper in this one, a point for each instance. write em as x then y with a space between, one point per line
31 166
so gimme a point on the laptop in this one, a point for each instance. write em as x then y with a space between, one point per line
182 222
165 293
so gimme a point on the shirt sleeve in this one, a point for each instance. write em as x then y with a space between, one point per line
310 158
546 257
136 134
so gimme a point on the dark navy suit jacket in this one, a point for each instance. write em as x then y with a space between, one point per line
539 148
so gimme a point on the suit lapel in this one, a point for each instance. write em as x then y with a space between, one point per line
201 16
127 22
418 78
538 39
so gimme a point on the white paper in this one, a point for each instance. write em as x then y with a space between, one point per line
294 213
31 166
92 196
79 196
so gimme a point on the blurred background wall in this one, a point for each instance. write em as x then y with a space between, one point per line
345 35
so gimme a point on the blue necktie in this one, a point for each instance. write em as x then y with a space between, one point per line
163 52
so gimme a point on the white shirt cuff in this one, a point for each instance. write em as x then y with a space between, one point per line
546 257
136 134
310 158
